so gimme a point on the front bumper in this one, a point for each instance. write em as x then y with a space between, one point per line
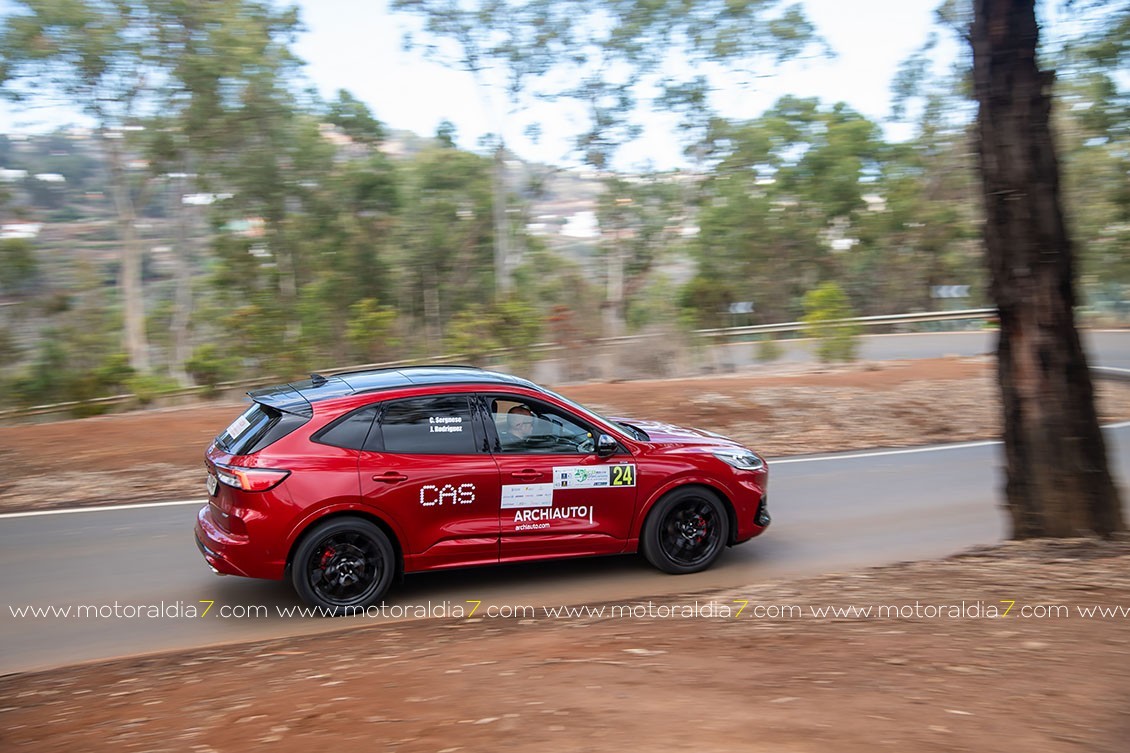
762 518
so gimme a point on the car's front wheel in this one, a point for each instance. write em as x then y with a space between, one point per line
344 562
686 531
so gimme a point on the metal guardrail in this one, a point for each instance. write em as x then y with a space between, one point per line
1110 373
861 321
719 334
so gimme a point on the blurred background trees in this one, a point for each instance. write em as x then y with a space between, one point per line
220 221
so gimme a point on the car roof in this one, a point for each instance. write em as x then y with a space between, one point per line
299 397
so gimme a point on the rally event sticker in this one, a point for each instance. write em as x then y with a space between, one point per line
594 476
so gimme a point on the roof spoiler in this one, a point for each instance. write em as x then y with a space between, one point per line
284 397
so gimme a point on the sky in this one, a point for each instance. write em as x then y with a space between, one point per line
357 45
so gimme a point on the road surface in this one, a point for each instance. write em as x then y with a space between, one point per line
830 513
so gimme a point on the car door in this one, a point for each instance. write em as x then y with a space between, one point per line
427 464
558 498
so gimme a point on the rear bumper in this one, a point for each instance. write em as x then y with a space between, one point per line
229 554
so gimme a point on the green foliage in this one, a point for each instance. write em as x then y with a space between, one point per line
477 330
10 350
53 378
114 372
146 388
256 333
209 367
354 119
640 221
445 248
445 134
516 325
47 380
823 307
656 305
707 298
19 269
471 334
371 331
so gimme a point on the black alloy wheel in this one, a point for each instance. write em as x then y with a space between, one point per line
345 562
686 531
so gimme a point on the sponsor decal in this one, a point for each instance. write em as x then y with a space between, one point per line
580 477
535 515
432 495
594 476
237 427
518 496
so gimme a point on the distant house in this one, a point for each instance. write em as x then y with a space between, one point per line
581 225
203 199
22 230
250 227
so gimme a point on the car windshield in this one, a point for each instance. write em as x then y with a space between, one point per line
633 431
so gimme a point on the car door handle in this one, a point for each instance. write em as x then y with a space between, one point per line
392 477
529 475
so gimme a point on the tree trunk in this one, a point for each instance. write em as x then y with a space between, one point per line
614 324
181 349
129 277
501 226
1058 480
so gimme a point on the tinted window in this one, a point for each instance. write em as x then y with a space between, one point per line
257 427
436 425
349 431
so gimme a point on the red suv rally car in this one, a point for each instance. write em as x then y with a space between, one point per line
342 483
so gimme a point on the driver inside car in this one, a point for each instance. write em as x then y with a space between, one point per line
519 423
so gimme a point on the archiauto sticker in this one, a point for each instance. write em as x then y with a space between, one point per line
532 515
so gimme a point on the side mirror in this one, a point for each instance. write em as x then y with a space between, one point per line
606 446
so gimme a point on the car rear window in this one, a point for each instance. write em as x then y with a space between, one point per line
256 428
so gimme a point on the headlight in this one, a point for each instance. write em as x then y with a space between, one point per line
743 460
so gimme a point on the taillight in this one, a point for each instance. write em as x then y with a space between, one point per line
250 479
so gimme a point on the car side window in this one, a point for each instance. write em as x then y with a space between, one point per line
350 430
433 425
530 427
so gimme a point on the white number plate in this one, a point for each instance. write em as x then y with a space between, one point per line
213 484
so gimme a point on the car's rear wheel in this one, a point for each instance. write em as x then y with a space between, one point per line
686 531
344 562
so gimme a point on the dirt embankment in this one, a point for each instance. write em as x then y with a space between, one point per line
984 652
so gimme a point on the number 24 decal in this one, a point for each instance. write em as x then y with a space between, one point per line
623 475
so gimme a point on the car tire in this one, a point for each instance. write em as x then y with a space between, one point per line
344 562
686 531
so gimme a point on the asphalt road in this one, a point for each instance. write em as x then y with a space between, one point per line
1108 348
830 513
